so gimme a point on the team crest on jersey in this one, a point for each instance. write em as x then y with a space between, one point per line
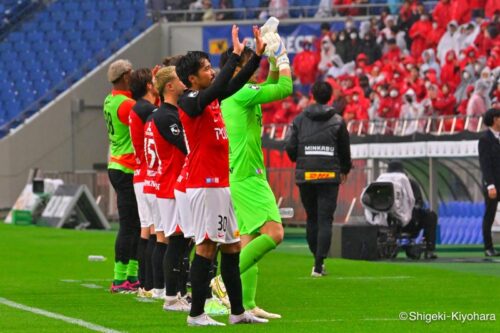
254 87
193 93
175 129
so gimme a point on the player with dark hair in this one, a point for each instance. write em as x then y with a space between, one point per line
145 93
319 143
207 185
255 205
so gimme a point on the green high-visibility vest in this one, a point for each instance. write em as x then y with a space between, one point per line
121 150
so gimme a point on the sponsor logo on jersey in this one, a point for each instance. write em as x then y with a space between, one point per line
193 93
220 235
254 86
220 133
319 175
175 129
212 180
236 233
259 171
319 150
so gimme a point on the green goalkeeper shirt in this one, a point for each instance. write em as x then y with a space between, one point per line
243 118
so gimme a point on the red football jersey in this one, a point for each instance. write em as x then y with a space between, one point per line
170 148
150 157
180 184
207 143
137 118
204 128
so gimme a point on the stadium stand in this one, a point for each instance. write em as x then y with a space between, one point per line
461 222
56 47
13 11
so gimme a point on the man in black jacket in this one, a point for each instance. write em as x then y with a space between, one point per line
489 160
319 143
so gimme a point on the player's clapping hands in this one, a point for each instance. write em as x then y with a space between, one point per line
238 46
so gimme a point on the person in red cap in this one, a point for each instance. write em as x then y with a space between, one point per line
450 71
361 64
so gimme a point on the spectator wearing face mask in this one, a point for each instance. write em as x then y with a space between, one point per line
370 48
468 57
443 103
467 79
419 33
327 55
429 62
449 41
411 111
416 83
450 71
305 67
357 105
478 103
376 76
323 34
467 35
342 45
398 80
390 105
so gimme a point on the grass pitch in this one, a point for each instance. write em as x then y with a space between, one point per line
47 269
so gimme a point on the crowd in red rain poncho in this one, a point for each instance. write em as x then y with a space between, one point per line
439 63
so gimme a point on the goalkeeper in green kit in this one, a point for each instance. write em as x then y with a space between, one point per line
255 206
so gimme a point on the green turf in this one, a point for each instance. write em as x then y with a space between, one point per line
45 268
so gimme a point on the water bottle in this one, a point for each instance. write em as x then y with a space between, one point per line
287 212
96 258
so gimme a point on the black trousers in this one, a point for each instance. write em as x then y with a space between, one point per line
423 219
488 219
320 202
127 239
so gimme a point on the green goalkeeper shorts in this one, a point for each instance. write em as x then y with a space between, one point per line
254 204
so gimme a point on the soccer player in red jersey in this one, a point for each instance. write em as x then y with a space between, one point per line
145 93
171 152
207 185
150 189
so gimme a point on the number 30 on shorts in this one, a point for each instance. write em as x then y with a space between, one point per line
222 223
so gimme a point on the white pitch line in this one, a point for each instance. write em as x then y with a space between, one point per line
73 321
372 277
360 278
336 320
